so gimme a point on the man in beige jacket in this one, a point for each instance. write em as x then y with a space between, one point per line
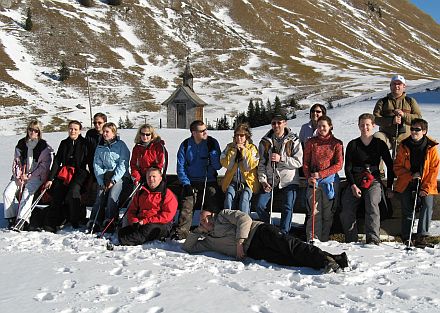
234 233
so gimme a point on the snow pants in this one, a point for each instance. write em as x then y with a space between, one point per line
136 234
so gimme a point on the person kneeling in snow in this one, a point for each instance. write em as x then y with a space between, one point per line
235 234
151 213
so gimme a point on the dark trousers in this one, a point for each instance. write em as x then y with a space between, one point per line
133 235
270 244
194 202
66 204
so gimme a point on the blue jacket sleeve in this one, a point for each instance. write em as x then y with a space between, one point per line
98 166
122 162
214 156
180 166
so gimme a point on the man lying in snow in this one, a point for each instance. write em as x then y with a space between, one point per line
235 234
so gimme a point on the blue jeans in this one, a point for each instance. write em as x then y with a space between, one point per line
288 194
109 201
425 213
244 203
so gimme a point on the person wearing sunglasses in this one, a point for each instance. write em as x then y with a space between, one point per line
66 179
240 158
281 156
198 160
308 130
416 166
30 168
149 150
93 137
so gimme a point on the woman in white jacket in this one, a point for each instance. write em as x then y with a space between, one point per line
30 168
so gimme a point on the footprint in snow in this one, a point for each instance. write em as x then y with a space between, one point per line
64 270
69 284
107 289
236 286
116 271
148 296
143 274
259 309
110 310
155 309
44 296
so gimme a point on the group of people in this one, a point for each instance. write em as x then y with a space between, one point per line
270 170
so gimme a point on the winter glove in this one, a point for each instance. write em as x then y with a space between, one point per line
188 191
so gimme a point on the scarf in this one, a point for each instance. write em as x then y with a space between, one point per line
30 144
417 155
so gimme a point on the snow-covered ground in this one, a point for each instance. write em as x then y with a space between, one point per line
73 272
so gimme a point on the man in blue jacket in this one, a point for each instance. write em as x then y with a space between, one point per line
198 160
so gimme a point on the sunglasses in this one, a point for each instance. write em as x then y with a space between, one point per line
276 123
240 135
201 131
415 129
34 130
98 123
145 134
316 111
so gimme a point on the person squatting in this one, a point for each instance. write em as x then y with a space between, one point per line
255 175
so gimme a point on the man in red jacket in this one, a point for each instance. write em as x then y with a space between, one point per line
151 213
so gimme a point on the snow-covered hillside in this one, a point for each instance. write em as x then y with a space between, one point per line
71 272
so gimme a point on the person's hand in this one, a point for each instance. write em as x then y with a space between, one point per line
397 120
239 146
48 184
188 191
240 251
389 193
266 186
109 186
312 181
24 178
356 191
398 112
416 175
423 193
275 157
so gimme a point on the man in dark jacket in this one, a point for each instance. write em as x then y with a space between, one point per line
198 161
93 136
151 213
233 233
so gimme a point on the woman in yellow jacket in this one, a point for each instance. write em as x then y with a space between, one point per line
240 158
417 165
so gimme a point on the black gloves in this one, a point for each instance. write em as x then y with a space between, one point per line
188 191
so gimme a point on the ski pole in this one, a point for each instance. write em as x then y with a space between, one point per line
102 196
313 214
395 142
123 205
271 193
21 222
408 247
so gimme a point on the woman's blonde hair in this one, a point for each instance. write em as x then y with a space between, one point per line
34 124
112 127
151 130
246 129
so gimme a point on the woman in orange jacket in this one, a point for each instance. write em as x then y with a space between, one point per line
417 165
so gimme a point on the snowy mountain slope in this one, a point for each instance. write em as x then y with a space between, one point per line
239 49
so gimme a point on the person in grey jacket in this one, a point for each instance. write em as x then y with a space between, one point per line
111 164
233 233
281 156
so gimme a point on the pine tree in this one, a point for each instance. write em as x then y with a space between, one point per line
128 123
121 123
223 123
28 24
240 118
257 119
64 71
251 111
277 105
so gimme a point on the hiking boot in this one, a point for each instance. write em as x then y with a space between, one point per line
50 229
341 259
421 241
373 241
11 222
331 266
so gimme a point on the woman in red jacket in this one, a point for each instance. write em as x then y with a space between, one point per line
149 151
323 159
151 213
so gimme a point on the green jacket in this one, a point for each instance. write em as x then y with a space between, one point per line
229 227
384 114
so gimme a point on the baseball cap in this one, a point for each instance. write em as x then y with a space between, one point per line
399 78
279 117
